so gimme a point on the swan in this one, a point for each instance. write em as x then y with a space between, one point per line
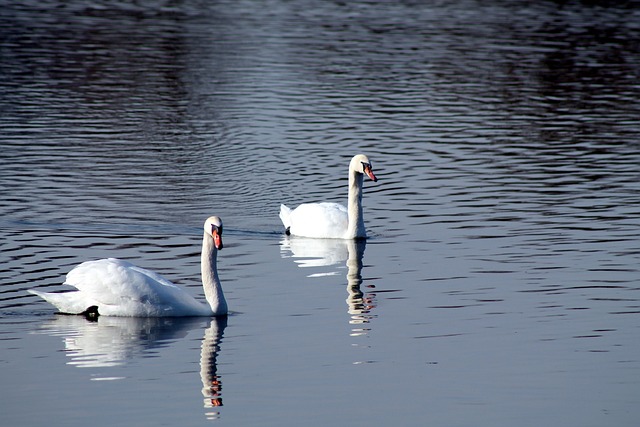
332 220
113 287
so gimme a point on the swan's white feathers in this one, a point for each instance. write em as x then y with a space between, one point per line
120 288
285 214
332 220
66 302
320 220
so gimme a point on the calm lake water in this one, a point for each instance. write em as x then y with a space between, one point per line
500 285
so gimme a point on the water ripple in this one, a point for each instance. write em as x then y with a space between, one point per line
504 134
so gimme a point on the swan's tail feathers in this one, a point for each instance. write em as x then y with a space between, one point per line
285 217
65 302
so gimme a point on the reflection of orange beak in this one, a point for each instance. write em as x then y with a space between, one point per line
370 174
217 240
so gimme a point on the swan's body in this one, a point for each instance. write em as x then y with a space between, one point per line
119 288
332 220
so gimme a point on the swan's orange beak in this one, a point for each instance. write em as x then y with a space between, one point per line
369 172
217 240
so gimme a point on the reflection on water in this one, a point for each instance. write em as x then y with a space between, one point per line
112 341
313 253
211 381
506 137
360 303
116 341
309 253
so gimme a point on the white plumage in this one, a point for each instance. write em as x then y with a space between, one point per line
119 288
332 220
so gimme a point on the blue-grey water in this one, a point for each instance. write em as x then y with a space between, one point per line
500 285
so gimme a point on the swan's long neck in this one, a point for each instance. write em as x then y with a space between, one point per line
354 208
210 281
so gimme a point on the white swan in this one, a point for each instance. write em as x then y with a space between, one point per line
118 288
332 220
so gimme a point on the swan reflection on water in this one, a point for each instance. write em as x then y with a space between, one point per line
317 253
115 341
211 382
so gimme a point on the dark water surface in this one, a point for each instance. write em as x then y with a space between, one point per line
501 282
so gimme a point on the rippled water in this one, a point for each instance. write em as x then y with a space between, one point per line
499 285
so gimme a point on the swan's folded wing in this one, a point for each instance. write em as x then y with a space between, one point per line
323 220
108 280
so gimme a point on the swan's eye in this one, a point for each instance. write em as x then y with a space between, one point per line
216 228
366 166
